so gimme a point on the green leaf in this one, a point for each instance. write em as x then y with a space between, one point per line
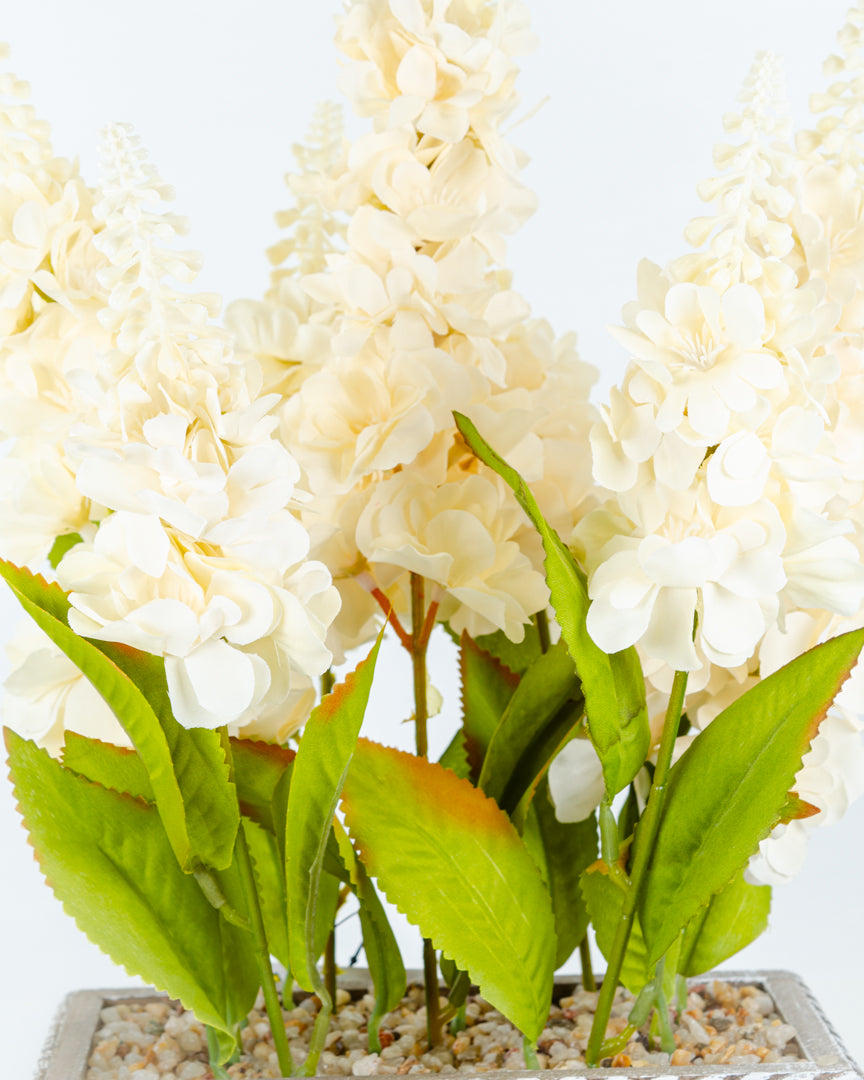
319 770
328 904
487 687
604 900
517 656
187 769
450 860
455 756
735 916
110 766
613 686
730 787
270 878
379 941
60 546
103 851
535 707
568 850
258 769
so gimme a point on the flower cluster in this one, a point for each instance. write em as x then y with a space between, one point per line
416 319
729 452
197 553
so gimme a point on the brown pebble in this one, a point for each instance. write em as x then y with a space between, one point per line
386 1038
621 1061
681 1057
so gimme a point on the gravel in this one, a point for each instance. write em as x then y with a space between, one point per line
722 1025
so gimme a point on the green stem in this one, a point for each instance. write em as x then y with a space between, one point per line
529 1054
262 954
667 1039
261 951
680 993
646 834
542 620
588 981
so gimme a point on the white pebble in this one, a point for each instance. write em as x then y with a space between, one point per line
365 1066
192 1070
699 1034
778 1035
190 1041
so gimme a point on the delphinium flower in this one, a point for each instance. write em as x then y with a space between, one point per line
50 341
724 451
201 558
287 333
422 321
50 337
828 226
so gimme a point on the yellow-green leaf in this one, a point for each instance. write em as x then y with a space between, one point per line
379 941
450 860
317 775
730 787
103 851
735 916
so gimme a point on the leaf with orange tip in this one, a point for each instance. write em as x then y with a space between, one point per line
731 786
451 861
259 767
318 772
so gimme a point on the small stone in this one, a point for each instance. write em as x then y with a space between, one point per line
621 1061
365 1066
698 1033
192 1070
342 997
190 1041
777 1035
681 1057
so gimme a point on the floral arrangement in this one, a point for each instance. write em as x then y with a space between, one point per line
656 602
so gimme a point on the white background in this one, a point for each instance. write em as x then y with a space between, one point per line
637 91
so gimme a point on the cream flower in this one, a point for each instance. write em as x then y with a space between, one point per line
702 359
460 535
46 695
647 585
442 67
229 636
576 781
367 415
202 559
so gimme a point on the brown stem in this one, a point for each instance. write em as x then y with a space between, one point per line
387 607
421 627
330 965
418 658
